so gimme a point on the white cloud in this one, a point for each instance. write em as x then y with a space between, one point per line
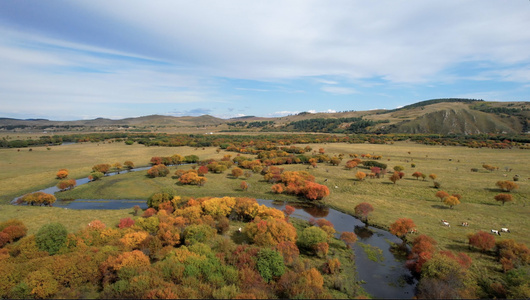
339 90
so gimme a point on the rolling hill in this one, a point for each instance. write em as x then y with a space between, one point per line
437 116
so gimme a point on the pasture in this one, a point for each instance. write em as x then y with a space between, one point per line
27 171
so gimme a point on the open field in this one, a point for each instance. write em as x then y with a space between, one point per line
26 171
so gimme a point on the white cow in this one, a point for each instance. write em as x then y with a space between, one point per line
493 231
505 230
445 223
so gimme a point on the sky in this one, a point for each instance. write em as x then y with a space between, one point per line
84 59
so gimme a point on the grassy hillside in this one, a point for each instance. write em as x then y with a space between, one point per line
438 116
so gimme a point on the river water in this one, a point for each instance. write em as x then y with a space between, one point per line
385 278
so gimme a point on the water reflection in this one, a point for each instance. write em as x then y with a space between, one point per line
363 232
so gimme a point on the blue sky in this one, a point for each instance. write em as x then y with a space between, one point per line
68 60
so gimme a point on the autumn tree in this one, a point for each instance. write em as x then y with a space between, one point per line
442 195
504 198
277 188
417 175
350 164
360 175
67 184
395 177
103 168
117 166
202 170
506 185
289 251
37 198
482 240
512 254
270 231
401 227
158 170
62 174
335 161
423 248
243 185
444 278
236 172
489 167
433 176
125 223
362 210
128 164
451 201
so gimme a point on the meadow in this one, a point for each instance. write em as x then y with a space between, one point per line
26 171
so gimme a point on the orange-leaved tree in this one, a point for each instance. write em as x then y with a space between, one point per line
62 174
482 240
401 227
451 201
442 195
506 185
360 175
362 210
503 198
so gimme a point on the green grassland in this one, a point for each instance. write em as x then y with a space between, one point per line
26 171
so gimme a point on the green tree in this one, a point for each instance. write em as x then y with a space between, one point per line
270 264
51 237
311 236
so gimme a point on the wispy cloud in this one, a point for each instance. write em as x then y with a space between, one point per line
62 57
339 90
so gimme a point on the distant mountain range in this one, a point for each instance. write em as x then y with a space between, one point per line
437 116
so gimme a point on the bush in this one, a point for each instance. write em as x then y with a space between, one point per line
270 264
158 171
51 237
373 163
96 176
311 236
157 198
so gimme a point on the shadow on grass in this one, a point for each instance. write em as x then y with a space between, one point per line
496 190
440 206
240 238
388 183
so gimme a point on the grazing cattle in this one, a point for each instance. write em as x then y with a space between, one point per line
445 223
239 230
495 232
413 230
465 224
505 230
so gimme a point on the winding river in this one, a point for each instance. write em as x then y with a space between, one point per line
384 277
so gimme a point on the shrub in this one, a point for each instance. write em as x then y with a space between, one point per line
157 198
507 186
311 236
270 264
62 174
158 171
373 163
503 198
198 234
125 223
95 176
51 237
